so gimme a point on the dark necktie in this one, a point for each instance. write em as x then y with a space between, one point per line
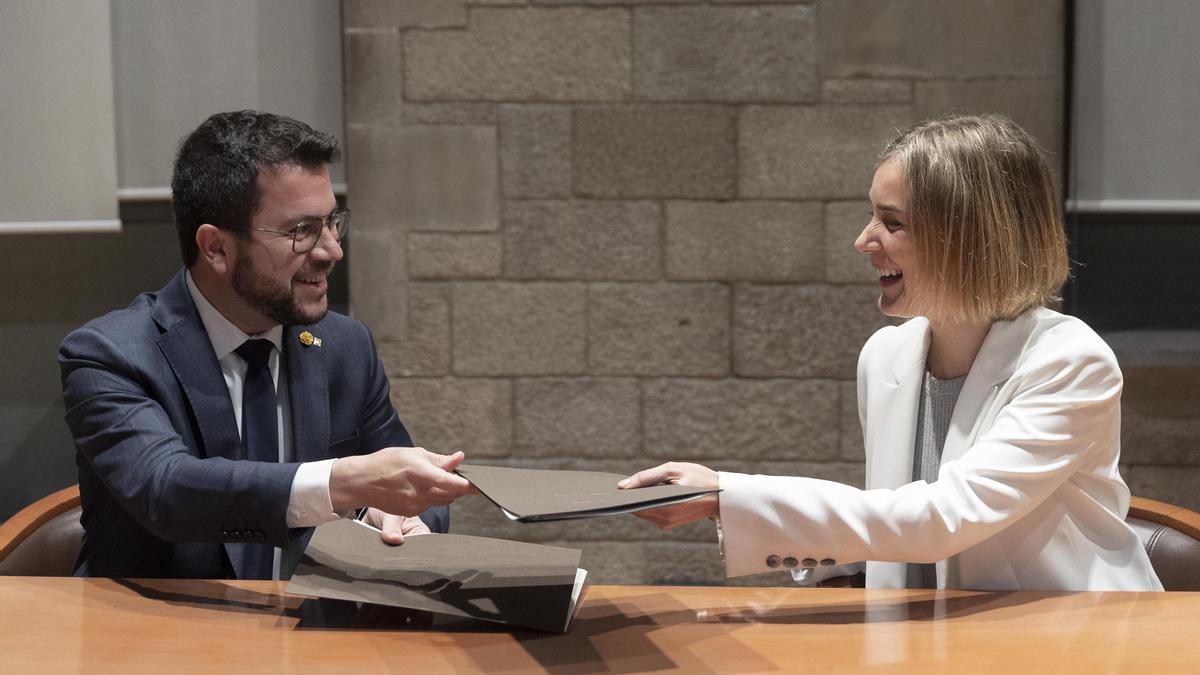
260 436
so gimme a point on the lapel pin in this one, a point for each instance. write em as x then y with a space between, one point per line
307 339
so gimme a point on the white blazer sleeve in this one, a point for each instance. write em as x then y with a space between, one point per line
1062 403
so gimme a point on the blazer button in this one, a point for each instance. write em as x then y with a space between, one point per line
772 560
789 562
809 562
826 562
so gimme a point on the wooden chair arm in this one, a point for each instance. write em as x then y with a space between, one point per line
1184 520
29 519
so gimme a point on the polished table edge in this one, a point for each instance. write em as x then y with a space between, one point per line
107 624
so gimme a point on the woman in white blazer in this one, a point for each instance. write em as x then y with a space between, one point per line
991 424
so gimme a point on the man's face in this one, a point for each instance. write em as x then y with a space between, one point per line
286 287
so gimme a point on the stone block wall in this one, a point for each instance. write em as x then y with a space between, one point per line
603 234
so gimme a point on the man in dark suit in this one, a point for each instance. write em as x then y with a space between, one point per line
220 419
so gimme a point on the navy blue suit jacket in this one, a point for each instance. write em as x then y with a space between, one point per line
157 443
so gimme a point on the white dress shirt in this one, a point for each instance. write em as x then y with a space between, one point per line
310 503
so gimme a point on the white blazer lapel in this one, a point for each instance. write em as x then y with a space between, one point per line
994 365
892 410
892 399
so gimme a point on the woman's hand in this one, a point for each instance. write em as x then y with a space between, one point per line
678 473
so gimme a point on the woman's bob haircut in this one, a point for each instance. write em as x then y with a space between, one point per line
983 215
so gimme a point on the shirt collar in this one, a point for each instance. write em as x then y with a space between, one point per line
224 336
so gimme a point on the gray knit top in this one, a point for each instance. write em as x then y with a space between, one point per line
933 423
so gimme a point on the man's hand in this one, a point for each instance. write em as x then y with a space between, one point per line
678 473
401 481
394 527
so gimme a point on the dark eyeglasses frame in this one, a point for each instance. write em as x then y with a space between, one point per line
339 221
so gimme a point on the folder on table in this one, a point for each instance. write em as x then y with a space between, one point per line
532 495
509 582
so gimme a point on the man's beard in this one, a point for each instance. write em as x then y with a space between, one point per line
273 299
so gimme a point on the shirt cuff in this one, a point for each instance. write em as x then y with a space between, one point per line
310 504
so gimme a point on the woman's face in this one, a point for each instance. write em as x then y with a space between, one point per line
889 241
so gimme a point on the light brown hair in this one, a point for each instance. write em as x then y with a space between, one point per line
983 214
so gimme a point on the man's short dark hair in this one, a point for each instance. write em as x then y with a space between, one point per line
216 169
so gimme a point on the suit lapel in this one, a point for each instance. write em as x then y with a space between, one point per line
308 392
892 410
993 366
892 429
186 346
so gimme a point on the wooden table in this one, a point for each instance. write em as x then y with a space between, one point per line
62 624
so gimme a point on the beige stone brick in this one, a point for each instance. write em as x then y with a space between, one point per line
802 331
640 3
1034 103
814 152
446 178
748 419
424 348
445 415
615 562
373 162
745 241
405 14
518 328
535 151
686 151
658 329
372 73
454 256
508 54
1177 484
866 90
1159 420
940 38
684 563
570 462
582 240
738 54
579 417
378 262
470 112
853 473
844 221
612 2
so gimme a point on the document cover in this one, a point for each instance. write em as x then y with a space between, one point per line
510 582
531 495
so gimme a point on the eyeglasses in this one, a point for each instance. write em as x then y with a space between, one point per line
306 233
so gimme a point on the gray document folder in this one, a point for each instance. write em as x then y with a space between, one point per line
508 582
531 495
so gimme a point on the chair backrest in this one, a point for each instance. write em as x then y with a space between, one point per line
43 539
1171 535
